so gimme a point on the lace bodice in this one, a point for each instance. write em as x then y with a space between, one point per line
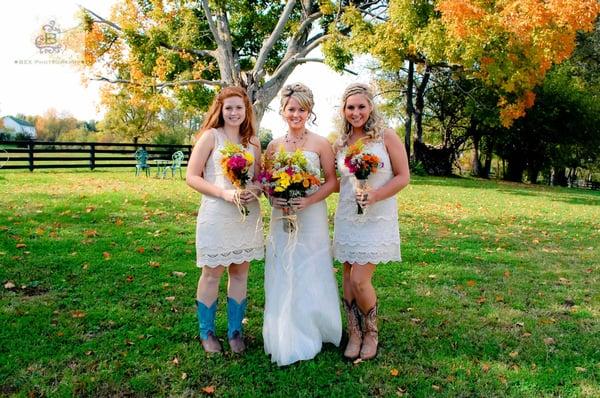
213 171
384 209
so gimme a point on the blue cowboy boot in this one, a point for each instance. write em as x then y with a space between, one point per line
235 315
206 326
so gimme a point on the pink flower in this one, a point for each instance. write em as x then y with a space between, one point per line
265 177
236 162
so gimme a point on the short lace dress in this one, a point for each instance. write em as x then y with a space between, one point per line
222 238
372 237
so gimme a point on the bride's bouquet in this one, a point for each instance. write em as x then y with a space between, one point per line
361 164
288 175
236 163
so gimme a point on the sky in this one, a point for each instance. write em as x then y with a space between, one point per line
30 84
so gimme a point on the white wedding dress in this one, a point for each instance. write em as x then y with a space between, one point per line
301 298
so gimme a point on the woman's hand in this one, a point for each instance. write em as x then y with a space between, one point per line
279 203
366 197
247 196
229 195
298 204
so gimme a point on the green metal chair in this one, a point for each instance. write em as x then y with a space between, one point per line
141 157
176 161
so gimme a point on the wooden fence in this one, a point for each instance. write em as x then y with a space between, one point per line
57 155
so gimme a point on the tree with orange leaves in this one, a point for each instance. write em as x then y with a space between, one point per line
509 44
512 44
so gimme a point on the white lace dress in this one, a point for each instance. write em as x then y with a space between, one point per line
221 237
301 298
372 237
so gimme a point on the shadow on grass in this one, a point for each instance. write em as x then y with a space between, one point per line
574 196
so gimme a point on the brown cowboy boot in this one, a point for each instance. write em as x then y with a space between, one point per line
211 344
354 333
235 316
370 334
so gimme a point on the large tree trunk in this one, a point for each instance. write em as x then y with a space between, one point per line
409 108
436 161
514 170
419 107
489 153
532 174
476 168
559 177
420 103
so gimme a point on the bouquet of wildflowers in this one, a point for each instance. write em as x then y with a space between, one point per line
361 164
236 162
288 175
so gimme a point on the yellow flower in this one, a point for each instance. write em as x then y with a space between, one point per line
297 177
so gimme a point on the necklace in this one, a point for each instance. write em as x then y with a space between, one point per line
289 139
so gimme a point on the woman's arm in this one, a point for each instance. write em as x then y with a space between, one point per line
400 169
337 177
197 164
254 186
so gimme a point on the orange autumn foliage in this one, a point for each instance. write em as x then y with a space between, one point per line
512 44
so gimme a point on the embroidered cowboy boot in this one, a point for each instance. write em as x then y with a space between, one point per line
370 334
206 327
354 333
235 315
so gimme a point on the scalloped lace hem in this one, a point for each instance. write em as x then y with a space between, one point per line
231 257
361 256
364 259
370 240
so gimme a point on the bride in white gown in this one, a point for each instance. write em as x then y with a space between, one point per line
302 304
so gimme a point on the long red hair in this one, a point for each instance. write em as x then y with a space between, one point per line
214 116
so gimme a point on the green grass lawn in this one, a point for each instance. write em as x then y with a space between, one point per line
498 295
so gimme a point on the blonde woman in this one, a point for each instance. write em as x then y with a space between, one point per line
361 241
301 299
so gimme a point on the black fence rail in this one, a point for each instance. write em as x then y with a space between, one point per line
58 155
586 184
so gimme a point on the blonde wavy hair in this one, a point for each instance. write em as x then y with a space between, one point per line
374 126
300 93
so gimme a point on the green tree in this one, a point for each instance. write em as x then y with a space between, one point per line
508 45
264 136
52 125
559 132
129 118
182 48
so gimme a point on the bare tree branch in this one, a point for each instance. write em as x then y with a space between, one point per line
305 60
307 23
200 53
162 84
211 22
102 20
314 43
273 37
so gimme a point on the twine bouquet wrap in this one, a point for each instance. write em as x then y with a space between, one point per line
361 164
236 163
288 175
